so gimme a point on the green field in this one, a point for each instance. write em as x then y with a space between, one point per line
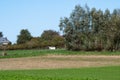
30 53
101 73
91 73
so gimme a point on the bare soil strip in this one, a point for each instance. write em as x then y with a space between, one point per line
59 61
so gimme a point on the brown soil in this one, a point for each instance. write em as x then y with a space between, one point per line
59 61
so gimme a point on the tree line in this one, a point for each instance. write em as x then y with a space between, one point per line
86 29
26 41
91 29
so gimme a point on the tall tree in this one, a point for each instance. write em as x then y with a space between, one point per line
106 29
115 29
91 29
76 27
49 34
24 36
1 35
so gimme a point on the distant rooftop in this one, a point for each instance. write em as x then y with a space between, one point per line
4 40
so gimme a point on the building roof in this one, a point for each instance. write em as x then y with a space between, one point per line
4 40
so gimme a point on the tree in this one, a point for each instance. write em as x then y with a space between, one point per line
76 27
51 38
58 41
115 20
106 29
93 29
33 43
24 36
1 35
49 34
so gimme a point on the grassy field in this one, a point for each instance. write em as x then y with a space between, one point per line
59 64
101 73
30 53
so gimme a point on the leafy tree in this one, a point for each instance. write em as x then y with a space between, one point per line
76 28
51 38
1 35
58 41
33 43
24 36
93 29
115 19
106 29
49 34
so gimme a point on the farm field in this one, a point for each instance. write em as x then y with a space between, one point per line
51 61
59 65
30 53
101 73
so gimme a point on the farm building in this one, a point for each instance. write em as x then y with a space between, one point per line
4 40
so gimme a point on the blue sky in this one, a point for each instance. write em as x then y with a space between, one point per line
40 15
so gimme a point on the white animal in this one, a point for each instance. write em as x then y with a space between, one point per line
52 48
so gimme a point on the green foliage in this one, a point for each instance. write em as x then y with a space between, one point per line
48 38
1 35
52 38
93 29
58 41
24 36
49 34
102 73
33 43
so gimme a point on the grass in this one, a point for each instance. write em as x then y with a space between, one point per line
101 73
30 53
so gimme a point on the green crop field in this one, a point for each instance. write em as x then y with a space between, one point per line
101 73
30 53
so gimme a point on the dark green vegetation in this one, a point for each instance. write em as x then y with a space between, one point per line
26 41
102 73
92 29
47 38
1 35
30 53
86 29
24 36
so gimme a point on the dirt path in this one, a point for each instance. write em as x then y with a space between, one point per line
59 61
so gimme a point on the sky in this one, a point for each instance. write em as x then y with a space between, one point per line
40 15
